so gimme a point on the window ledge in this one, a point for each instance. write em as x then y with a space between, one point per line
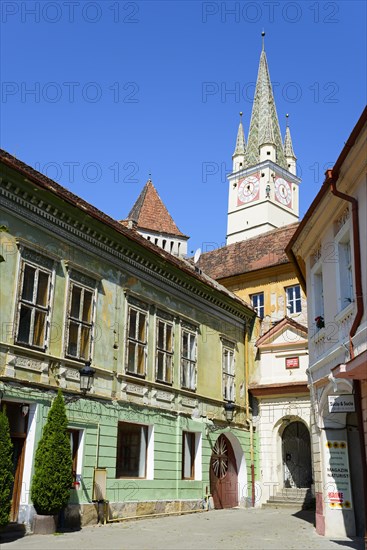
320 335
344 313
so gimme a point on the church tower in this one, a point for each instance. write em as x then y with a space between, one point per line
263 187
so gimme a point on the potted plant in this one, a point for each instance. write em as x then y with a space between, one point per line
53 477
6 469
320 323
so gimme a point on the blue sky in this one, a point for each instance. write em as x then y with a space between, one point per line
98 95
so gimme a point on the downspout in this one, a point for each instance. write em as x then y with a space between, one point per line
248 419
332 178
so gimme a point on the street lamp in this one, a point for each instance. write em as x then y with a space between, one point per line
86 378
229 408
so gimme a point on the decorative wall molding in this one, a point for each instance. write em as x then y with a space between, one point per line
71 229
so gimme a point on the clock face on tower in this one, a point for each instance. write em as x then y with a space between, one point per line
283 192
248 189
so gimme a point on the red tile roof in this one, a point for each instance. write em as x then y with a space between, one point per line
265 250
150 213
64 194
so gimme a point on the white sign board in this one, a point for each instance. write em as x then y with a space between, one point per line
337 487
341 403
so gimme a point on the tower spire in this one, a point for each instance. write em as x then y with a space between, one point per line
264 118
238 156
240 141
288 149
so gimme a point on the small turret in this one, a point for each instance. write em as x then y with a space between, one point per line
238 156
288 151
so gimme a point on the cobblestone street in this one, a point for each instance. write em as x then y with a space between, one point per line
256 529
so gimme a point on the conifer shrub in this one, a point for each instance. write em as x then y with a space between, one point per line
53 478
6 469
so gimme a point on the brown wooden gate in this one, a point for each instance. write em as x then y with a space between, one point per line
223 474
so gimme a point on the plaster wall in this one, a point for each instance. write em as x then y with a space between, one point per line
274 415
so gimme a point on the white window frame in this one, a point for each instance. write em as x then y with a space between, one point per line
41 264
228 371
195 457
292 301
79 457
318 293
345 284
86 284
135 341
147 436
260 309
162 351
189 363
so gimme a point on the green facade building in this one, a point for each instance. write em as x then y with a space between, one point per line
167 343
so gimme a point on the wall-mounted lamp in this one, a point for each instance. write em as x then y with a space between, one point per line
229 408
86 378
86 374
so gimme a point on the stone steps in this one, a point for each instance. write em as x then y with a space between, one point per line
301 499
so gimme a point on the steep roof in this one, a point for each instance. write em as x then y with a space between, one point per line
42 181
240 141
150 213
288 146
264 125
265 250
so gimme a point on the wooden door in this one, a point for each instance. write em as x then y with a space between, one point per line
18 434
297 456
223 474
18 465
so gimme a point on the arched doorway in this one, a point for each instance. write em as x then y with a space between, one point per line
296 451
223 474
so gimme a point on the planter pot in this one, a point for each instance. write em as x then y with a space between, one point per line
44 525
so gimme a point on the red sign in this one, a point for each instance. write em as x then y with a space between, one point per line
292 362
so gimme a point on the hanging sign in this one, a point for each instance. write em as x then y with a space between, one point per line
338 491
341 403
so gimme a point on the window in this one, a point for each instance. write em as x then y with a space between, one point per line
318 296
257 301
131 450
164 350
75 445
34 301
188 455
294 304
188 358
345 272
228 370
80 317
136 341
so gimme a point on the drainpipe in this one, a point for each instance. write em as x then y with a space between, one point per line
248 419
332 178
